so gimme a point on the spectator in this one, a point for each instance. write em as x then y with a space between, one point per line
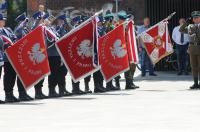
145 60
181 41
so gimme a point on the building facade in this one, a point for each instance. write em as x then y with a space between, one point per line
136 7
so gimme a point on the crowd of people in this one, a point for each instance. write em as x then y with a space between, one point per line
60 26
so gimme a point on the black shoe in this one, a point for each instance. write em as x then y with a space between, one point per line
99 89
194 87
135 86
10 98
53 95
2 102
40 96
131 87
25 97
64 93
180 73
153 74
112 88
88 91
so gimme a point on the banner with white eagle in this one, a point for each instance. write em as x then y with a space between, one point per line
113 54
157 41
76 50
29 58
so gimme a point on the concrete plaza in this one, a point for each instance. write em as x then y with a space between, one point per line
162 104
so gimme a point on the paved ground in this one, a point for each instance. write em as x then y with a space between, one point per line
162 104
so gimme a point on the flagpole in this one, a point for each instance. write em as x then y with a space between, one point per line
164 20
82 24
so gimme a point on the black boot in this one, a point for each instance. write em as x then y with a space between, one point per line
98 88
76 89
23 96
39 94
110 87
64 92
10 98
87 88
195 85
52 93
130 85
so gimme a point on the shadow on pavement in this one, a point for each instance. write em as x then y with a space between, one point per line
112 94
23 104
154 90
77 98
162 76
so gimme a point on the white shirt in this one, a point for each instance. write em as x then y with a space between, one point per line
176 36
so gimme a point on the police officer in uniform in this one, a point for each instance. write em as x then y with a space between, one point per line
38 20
55 62
20 31
97 76
62 27
193 30
108 25
130 73
9 73
76 86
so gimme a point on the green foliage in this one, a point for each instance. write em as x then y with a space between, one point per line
15 8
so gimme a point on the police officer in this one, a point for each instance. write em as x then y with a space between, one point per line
97 76
62 27
9 73
38 20
193 30
109 26
76 86
123 16
20 31
55 62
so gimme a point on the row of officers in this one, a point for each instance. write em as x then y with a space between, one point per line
59 26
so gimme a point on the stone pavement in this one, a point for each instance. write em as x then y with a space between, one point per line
162 104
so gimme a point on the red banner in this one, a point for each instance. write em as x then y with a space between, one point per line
76 50
113 54
157 42
131 43
28 57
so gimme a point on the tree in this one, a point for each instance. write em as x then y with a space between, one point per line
15 8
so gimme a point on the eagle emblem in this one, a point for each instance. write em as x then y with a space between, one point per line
36 54
118 50
85 49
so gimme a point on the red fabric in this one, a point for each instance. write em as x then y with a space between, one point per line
113 53
28 57
131 43
76 51
155 42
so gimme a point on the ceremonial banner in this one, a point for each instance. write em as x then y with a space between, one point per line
76 50
157 42
131 43
113 54
95 46
7 42
28 57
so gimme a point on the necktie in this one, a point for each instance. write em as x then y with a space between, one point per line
182 38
